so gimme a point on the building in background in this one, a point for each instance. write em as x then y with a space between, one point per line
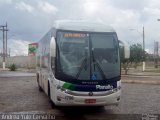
32 48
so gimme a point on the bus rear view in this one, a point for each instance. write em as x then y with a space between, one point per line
83 65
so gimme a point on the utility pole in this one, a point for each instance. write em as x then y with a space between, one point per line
143 40
9 52
4 29
156 49
6 41
143 48
144 65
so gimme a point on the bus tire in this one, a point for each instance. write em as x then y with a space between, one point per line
49 95
37 75
39 87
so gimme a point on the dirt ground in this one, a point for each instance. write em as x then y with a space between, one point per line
21 94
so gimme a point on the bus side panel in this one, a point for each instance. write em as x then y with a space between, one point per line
43 61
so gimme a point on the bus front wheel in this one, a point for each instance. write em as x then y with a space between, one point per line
49 95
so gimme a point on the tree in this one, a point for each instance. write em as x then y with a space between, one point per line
136 55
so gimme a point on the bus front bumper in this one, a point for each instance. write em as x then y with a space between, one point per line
64 99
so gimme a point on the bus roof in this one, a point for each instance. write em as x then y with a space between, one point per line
83 26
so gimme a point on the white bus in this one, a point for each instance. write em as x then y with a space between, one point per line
78 64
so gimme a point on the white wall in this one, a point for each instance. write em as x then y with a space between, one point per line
20 61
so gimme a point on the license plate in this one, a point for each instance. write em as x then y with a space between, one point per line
90 101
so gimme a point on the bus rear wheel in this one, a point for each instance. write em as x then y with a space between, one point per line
39 87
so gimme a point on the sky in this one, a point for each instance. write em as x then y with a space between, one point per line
29 20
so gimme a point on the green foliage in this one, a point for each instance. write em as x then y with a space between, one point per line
12 67
136 55
150 57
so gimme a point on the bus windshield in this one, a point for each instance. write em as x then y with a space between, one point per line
87 56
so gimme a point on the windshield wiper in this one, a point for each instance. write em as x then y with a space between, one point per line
99 67
81 67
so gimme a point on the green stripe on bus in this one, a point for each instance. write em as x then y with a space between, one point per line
72 87
69 86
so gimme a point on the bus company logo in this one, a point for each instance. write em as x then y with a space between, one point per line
90 93
99 87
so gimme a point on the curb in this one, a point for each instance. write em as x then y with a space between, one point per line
141 82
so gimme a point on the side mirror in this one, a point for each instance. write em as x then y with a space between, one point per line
53 47
125 49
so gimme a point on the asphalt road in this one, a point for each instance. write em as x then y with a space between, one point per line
21 95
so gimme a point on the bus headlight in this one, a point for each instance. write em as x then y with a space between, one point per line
63 89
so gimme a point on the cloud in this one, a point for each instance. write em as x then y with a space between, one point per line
18 47
121 14
124 15
150 51
24 7
91 7
152 11
130 4
47 7
154 4
2 2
